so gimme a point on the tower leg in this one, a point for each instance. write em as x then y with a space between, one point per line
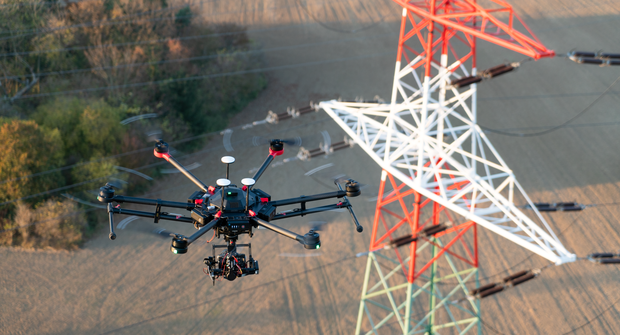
400 296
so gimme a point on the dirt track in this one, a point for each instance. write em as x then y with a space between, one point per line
136 285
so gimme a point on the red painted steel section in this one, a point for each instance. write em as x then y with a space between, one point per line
398 195
462 21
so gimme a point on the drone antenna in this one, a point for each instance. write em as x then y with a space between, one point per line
228 160
248 183
222 183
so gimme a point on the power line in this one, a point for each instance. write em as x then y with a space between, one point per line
568 332
215 75
51 219
495 331
178 60
20 4
101 23
526 258
322 24
36 31
149 148
160 163
112 22
156 41
547 131
147 166
86 210
250 289
593 319
182 140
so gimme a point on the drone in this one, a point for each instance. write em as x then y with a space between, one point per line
231 211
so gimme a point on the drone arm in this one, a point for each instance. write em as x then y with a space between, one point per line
202 231
301 212
279 230
144 201
264 166
188 174
183 170
307 198
111 210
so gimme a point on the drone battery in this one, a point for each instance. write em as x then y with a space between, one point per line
267 212
201 215
261 194
198 195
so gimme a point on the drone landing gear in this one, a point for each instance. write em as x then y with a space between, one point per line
229 264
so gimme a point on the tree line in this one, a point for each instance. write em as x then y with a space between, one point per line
72 71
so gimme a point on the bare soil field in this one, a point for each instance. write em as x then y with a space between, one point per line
319 50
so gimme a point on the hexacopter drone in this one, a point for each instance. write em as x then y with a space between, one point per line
231 211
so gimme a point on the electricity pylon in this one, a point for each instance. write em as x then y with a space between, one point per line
428 139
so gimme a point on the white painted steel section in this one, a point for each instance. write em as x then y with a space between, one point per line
427 137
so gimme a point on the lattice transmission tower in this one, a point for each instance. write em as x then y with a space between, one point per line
441 176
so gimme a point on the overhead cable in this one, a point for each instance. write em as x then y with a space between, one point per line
34 31
178 60
143 167
554 128
294 111
573 330
155 41
113 22
215 75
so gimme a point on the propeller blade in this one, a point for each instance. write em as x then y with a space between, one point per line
163 233
313 254
317 225
295 141
335 176
154 135
144 228
116 183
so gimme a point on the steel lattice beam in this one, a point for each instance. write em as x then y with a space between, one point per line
388 305
428 137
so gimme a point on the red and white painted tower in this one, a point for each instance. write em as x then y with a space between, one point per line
442 178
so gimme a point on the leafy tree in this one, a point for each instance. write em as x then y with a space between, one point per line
29 148
89 128
53 223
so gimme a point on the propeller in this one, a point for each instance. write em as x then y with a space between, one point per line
162 233
156 136
116 183
317 225
145 228
333 176
295 141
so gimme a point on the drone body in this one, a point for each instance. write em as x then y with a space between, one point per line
231 211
